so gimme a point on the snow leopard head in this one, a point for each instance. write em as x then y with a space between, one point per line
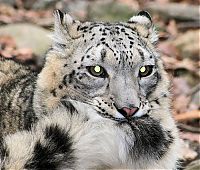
112 69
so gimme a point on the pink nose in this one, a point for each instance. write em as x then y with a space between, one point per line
130 111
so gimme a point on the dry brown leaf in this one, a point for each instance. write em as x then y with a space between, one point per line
23 54
7 41
8 49
187 152
7 46
188 44
6 10
11 15
195 114
180 103
132 3
187 64
162 1
180 86
169 62
172 28
167 48
190 136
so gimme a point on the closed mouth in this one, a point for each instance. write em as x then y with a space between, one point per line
123 113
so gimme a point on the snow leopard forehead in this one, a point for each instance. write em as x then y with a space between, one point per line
124 42
67 30
128 41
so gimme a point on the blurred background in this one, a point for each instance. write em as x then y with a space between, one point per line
26 24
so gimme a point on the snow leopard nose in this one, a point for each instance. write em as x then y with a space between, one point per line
130 111
127 112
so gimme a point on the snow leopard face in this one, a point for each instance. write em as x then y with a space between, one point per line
111 68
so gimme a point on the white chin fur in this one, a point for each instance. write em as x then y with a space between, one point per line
119 115
139 113
142 111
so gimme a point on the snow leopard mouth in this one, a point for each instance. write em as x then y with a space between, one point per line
132 120
138 112
124 114
121 115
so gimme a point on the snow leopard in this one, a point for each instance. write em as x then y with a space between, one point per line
101 101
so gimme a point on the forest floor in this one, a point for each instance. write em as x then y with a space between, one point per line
25 24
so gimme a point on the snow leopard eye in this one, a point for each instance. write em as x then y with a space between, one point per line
145 70
97 71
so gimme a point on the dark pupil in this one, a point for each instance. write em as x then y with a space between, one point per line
147 71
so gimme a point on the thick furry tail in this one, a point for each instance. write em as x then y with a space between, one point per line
48 145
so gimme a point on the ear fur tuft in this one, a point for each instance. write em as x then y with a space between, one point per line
143 18
143 22
146 14
58 16
65 30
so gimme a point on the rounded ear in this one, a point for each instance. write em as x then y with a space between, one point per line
143 23
58 16
64 19
66 24
65 30
143 17
145 14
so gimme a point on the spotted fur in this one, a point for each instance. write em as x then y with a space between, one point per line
81 123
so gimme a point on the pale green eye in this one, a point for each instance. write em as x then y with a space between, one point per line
145 70
97 71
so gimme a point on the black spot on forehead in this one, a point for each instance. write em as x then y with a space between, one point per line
104 27
82 58
102 39
141 53
123 36
103 54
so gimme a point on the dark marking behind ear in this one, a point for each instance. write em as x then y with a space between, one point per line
60 14
146 14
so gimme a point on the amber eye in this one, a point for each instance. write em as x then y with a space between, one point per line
145 70
97 71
